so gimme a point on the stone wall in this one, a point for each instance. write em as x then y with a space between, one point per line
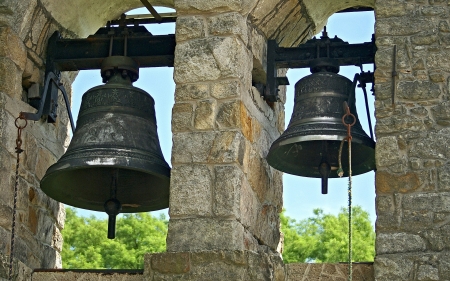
25 27
412 180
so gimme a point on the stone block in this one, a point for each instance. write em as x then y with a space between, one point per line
228 115
182 114
437 237
190 27
434 145
444 178
226 89
205 115
192 147
190 191
433 10
187 92
418 90
228 24
402 26
329 271
11 78
433 202
5 217
57 239
227 189
441 113
216 6
208 147
389 243
415 221
228 147
387 183
196 234
45 159
249 206
392 9
388 152
12 47
173 263
107 275
209 59
258 175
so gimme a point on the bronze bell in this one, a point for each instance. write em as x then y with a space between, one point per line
114 162
309 146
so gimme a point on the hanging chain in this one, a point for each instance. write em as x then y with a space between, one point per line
340 172
16 184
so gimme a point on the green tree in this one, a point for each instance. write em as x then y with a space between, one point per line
324 237
86 246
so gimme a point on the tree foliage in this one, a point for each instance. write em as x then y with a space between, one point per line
86 246
324 237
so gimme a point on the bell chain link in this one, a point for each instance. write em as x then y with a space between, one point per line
340 172
16 184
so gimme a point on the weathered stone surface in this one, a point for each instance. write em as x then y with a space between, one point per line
182 114
228 24
438 238
170 262
395 26
389 152
80 275
208 147
227 185
387 268
216 265
210 59
434 146
312 271
12 47
389 243
207 234
205 115
441 113
191 27
190 191
217 6
45 159
434 202
228 115
186 92
226 89
444 178
386 182
418 90
11 78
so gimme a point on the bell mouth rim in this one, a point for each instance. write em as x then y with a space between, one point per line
47 185
296 139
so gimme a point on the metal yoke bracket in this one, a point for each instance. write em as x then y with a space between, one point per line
88 53
303 56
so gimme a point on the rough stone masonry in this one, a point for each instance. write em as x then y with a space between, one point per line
225 199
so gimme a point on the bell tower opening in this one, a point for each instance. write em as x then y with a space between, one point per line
302 195
158 82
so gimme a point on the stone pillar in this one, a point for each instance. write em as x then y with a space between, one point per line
224 199
223 193
39 219
413 148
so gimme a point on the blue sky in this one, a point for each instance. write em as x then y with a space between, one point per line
301 195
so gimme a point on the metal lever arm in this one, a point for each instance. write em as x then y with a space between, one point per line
51 78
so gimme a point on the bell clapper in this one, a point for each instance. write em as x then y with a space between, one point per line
324 170
113 207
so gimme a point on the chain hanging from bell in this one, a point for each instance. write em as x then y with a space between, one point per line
309 147
114 162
